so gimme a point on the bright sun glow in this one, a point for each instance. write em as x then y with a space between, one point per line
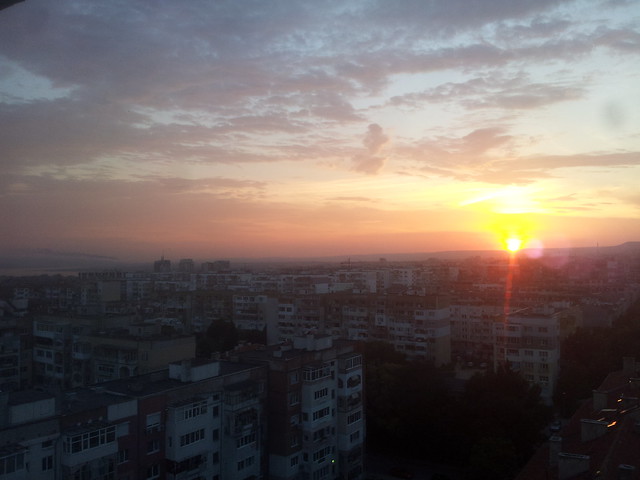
513 244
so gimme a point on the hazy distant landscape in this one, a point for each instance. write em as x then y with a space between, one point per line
35 262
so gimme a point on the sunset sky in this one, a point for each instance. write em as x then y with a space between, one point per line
223 129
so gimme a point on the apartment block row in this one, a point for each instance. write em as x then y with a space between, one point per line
77 352
284 412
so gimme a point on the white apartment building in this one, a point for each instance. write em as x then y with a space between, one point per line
529 343
252 312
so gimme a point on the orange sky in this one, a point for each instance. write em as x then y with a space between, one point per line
210 131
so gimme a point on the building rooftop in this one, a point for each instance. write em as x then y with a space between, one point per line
27 396
159 381
601 440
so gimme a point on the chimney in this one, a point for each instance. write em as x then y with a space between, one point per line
570 465
592 429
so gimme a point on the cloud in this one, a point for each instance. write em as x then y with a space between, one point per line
455 154
350 199
374 141
208 82
494 91
486 155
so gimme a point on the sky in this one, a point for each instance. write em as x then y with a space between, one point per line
297 128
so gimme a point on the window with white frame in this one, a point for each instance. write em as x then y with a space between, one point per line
84 441
246 440
153 421
191 437
323 412
318 394
194 410
354 417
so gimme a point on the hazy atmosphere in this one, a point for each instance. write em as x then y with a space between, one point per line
298 128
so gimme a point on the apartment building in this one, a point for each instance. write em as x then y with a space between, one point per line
252 312
194 420
416 325
316 408
529 342
60 355
138 349
296 316
472 332
15 353
290 412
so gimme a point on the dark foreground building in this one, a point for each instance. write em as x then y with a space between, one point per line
601 440
289 412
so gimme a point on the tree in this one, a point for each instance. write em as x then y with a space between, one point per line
502 405
408 406
493 457
221 336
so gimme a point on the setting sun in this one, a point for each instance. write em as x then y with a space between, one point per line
513 244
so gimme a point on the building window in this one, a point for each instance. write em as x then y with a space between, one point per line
153 446
247 462
323 412
11 463
321 454
153 422
355 436
354 417
294 461
123 455
47 463
191 437
318 394
215 458
87 440
246 440
312 374
215 434
294 398
153 472
194 410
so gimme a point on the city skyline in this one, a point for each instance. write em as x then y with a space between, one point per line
290 129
